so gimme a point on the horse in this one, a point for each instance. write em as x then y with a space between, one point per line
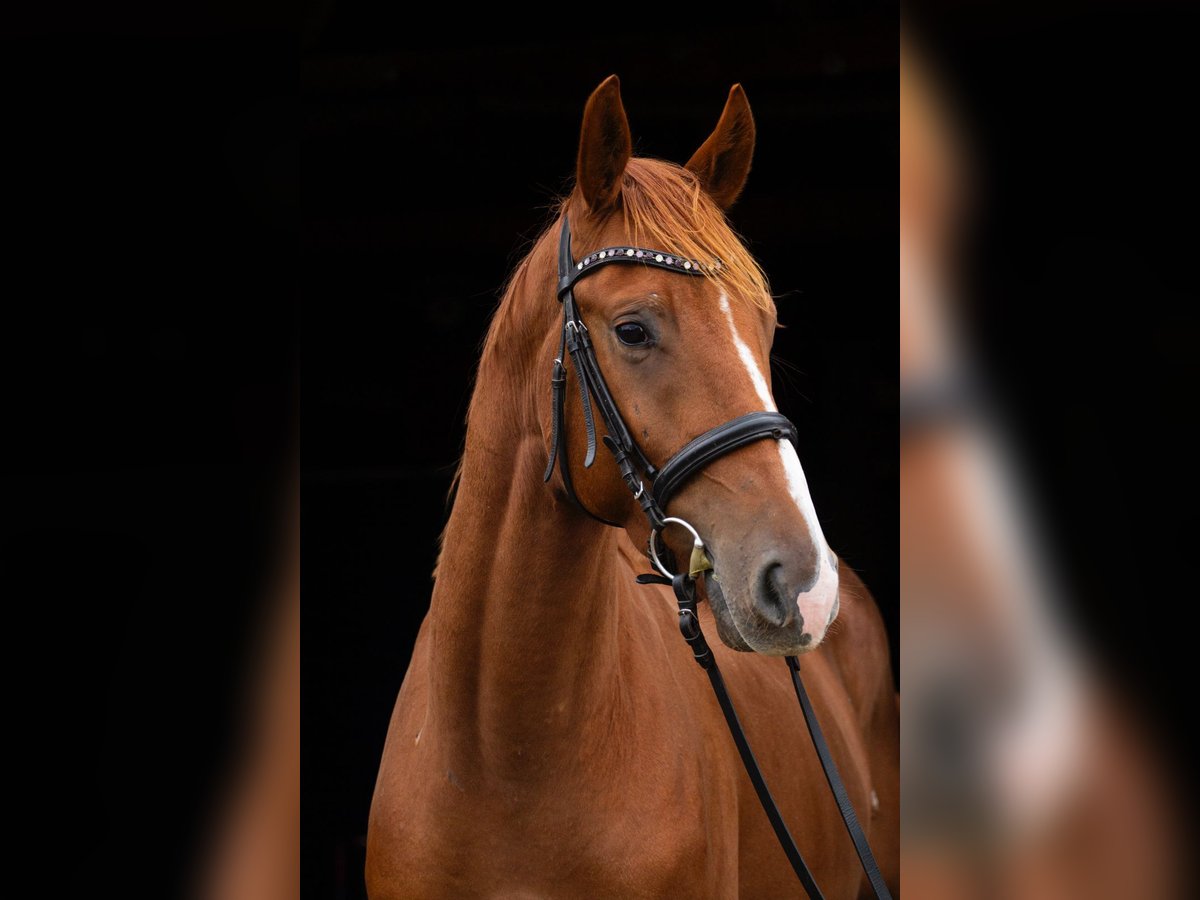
553 736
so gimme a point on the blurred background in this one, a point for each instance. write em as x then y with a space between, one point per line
1048 374
431 154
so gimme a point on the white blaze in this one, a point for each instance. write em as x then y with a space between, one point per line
817 603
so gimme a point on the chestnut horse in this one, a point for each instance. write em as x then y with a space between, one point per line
553 736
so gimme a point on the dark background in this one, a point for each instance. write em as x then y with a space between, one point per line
148 365
429 158
1080 286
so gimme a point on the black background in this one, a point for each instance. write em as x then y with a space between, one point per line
429 158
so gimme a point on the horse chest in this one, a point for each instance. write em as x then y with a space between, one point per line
642 824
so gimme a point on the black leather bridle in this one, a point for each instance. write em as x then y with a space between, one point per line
636 470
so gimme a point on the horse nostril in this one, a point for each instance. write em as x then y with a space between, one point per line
775 604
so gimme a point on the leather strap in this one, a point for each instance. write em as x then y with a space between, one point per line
853 827
689 627
577 345
713 444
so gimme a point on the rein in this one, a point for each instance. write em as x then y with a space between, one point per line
636 470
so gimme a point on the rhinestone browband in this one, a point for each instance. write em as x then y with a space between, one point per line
636 253
656 258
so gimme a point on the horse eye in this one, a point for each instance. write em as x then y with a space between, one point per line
632 334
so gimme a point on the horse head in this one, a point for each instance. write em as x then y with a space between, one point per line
681 356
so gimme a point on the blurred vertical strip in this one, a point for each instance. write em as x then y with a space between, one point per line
1040 755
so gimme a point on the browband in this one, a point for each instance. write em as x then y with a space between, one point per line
656 258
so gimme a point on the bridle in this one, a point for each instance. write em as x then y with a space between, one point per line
636 470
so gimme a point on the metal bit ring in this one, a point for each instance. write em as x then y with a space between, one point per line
697 543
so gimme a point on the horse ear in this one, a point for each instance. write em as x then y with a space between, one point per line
604 146
723 161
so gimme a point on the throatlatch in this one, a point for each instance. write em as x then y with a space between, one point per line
636 470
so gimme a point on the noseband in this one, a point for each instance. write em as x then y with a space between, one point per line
636 470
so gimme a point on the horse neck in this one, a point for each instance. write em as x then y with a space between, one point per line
524 611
